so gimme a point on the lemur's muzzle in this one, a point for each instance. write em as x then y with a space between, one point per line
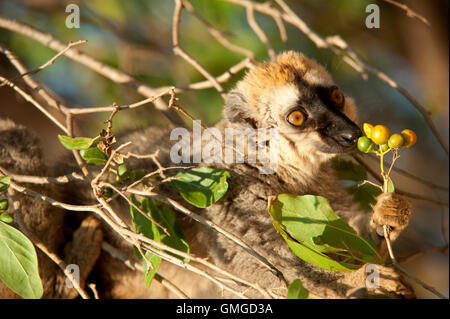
341 134
348 138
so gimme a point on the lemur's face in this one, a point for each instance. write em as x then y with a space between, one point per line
296 95
313 118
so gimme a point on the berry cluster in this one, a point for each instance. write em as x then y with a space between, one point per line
378 139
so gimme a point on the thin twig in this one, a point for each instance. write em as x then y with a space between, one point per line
30 99
150 246
93 288
409 12
103 69
48 180
135 266
218 35
89 110
52 60
379 178
177 50
409 175
130 202
403 271
259 32
32 83
212 225
120 228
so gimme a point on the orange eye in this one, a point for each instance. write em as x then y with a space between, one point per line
337 97
296 118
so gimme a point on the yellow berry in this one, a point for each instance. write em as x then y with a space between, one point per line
367 128
380 134
409 137
396 141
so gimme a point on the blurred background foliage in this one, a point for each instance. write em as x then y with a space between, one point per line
135 36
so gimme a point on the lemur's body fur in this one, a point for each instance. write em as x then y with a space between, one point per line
262 99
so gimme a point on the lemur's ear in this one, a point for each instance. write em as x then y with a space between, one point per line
237 110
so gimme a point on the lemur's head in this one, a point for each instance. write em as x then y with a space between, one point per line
296 95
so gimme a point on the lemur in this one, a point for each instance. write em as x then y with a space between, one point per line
315 122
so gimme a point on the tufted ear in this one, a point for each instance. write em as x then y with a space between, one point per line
237 110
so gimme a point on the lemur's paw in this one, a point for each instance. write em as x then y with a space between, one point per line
392 210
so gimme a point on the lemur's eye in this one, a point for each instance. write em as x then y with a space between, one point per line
331 96
296 118
337 97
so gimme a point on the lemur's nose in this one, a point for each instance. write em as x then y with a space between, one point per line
349 138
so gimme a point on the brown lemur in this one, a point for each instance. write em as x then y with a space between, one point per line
315 123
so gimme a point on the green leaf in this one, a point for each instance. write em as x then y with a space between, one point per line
6 218
297 291
4 183
349 170
201 186
123 171
4 204
365 195
310 221
165 216
93 156
149 272
310 255
144 226
18 263
78 143
141 224
108 192
390 186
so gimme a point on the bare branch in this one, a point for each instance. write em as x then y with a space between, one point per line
409 175
410 13
52 60
259 32
105 70
218 35
30 99
177 50
403 271
134 266
379 178
214 226
32 83
47 180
